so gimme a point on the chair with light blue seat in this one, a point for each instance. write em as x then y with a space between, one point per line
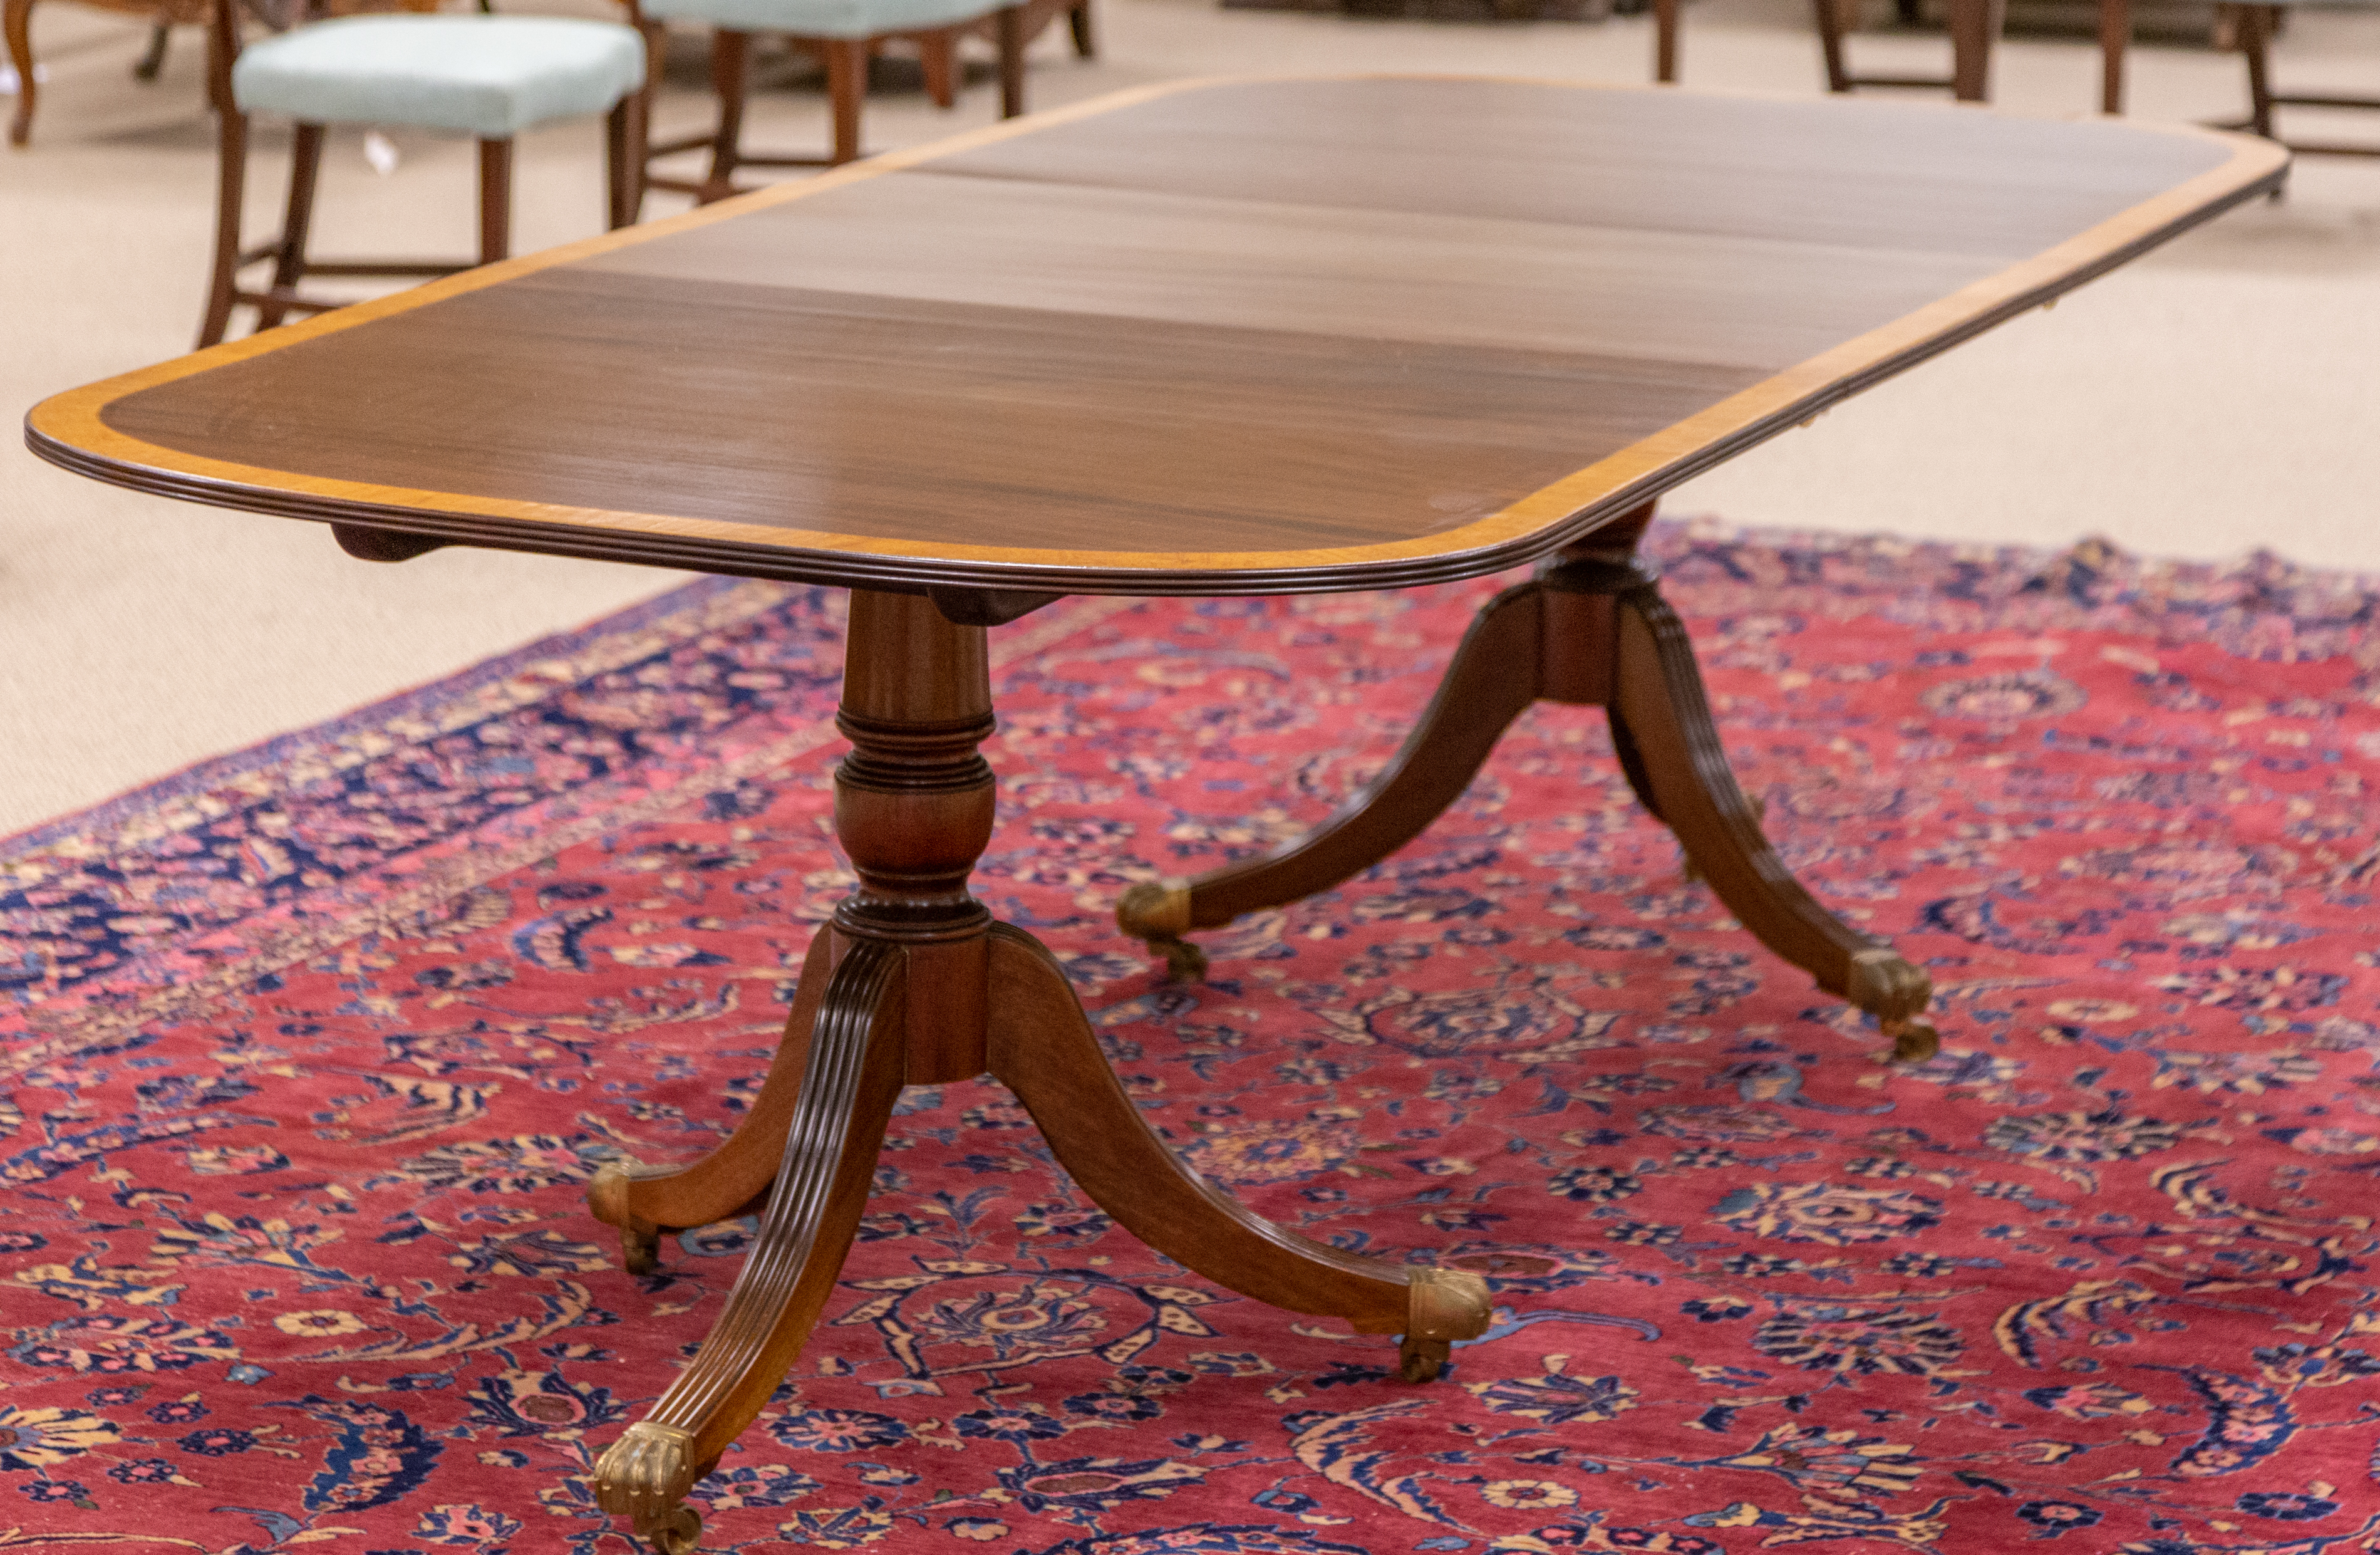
844 34
489 76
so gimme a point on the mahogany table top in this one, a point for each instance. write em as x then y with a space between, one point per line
1233 336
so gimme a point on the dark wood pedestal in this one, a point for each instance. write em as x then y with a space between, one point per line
914 983
1591 628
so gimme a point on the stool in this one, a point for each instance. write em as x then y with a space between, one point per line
489 76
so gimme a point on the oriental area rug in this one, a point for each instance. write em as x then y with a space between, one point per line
311 1049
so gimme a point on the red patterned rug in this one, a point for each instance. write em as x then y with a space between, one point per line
313 1049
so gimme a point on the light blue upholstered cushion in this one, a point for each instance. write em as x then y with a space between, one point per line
492 76
823 18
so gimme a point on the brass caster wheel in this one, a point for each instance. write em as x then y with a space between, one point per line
1441 1305
1914 1041
607 1200
1184 963
678 1534
641 1247
1421 1360
1895 992
1159 915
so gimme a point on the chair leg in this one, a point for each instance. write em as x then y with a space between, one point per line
1008 24
1974 26
847 85
641 127
620 162
730 53
230 185
2115 38
495 200
1665 40
938 55
2255 39
18 18
289 264
152 58
1830 45
1086 41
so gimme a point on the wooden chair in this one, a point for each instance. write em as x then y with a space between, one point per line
2251 24
1974 26
845 34
17 21
489 76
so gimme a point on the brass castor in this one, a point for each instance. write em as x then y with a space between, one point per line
1184 963
1441 1305
607 1200
1914 1041
1421 1360
1895 992
678 1534
1159 915
641 1247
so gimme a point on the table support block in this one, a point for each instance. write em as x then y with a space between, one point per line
914 983
1590 629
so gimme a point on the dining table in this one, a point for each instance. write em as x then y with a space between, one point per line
1218 337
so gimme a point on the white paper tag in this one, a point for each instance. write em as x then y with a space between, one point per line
380 151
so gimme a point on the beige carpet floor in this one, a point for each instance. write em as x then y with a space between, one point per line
2222 394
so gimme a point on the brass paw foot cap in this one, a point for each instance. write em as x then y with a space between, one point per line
644 1476
1446 1304
1155 910
1888 985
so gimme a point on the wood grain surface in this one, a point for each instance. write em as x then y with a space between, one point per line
1235 337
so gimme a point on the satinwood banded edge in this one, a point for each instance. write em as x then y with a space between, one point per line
69 430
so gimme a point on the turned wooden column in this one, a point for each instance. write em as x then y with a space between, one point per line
913 809
897 990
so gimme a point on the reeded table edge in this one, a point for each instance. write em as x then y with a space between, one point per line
67 430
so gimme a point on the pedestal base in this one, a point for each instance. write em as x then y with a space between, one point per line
1592 629
913 983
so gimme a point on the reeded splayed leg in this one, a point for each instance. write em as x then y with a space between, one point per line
849 1084
893 991
1591 628
1657 696
900 988
1487 686
1043 1048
